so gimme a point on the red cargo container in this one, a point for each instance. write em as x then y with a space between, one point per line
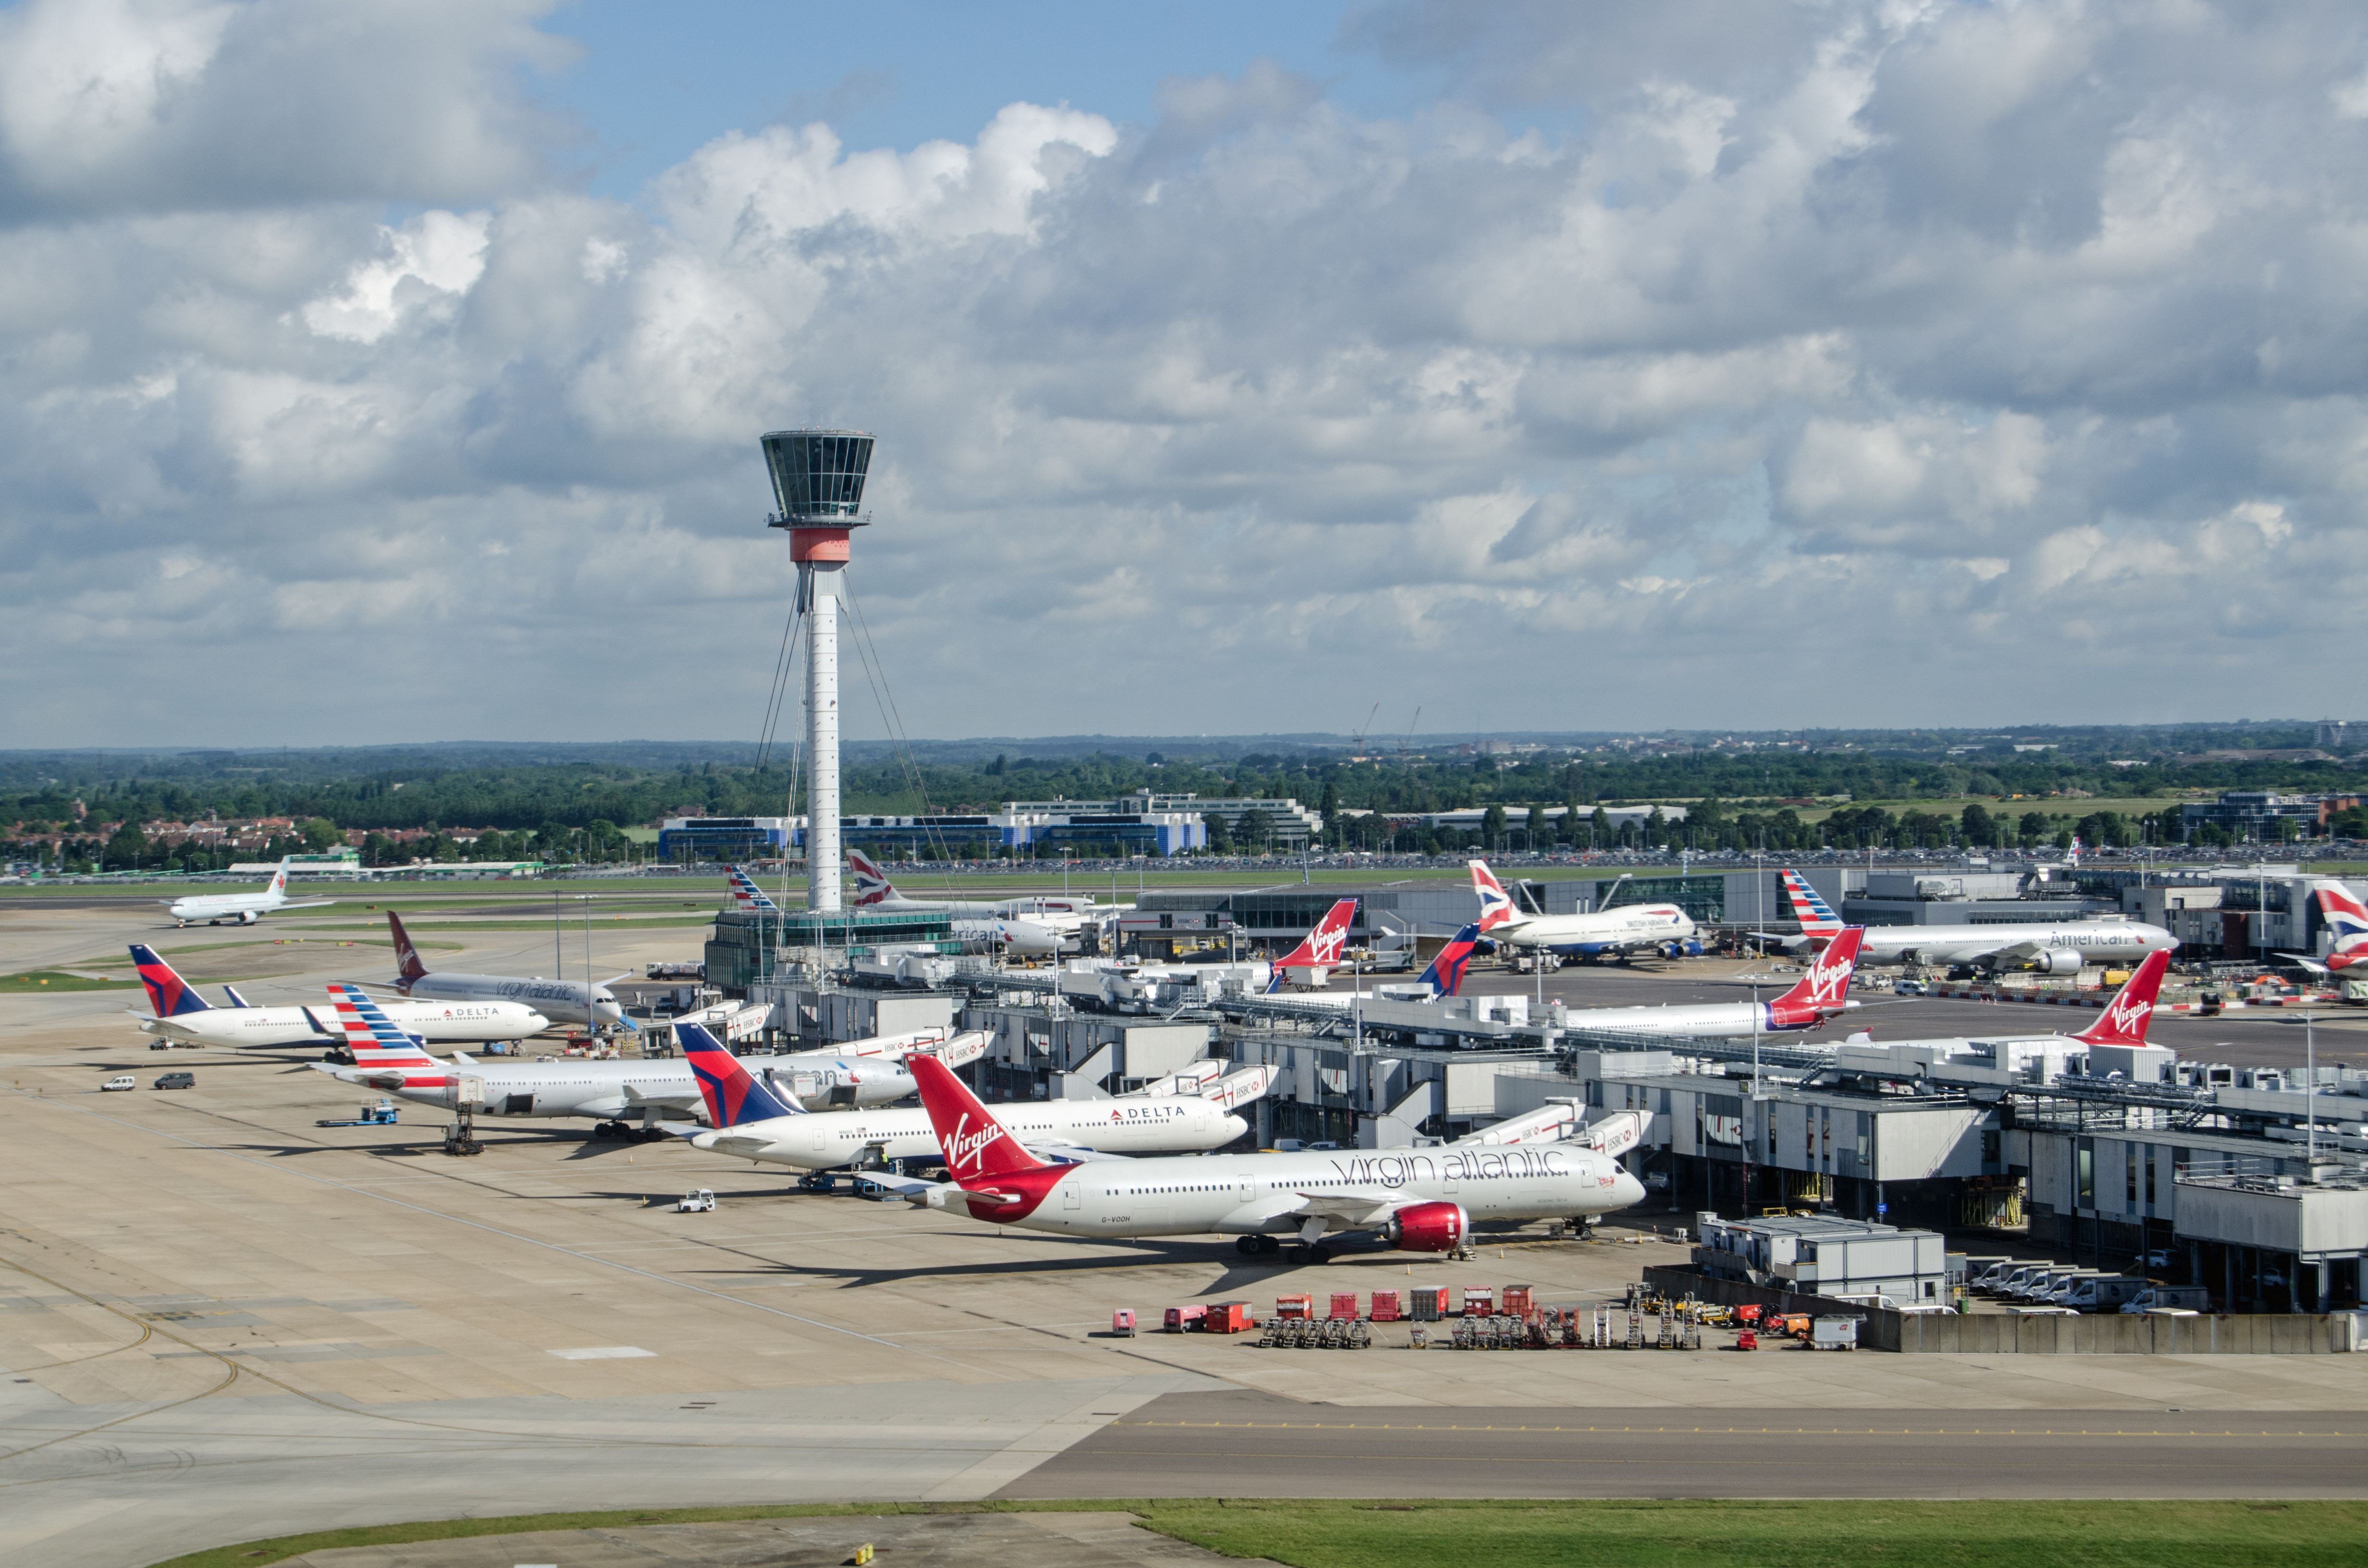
1479 1303
1228 1317
1516 1300
1386 1306
1294 1306
1344 1305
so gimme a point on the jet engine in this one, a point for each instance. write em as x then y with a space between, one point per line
2058 960
1691 948
1427 1227
246 917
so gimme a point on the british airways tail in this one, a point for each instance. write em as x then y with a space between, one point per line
1320 948
1445 975
172 997
1495 905
746 894
2132 1009
732 1094
872 883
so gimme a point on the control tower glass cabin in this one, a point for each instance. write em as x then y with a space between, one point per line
818 477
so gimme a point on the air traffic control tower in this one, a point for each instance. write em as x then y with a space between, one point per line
818 483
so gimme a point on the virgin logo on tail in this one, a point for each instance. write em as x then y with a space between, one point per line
1320 948
1496 904
407 964
965 1149
2132 1009
1824 990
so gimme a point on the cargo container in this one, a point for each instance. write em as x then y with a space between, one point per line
1344 1305
1430 1303
1479 1303
1229 1317
1516 1300
1386 1306
1299 1306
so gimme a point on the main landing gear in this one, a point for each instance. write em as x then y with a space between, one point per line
628 1131
1257 1246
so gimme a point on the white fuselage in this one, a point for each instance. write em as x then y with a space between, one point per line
245 908
1600 931
436 1023
658 1088
1240 1195
1133 1125
2093 940
562 1001
1707 1021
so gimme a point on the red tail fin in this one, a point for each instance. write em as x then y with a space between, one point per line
406 956
2131 1010
1826 987
975 1145
1320 948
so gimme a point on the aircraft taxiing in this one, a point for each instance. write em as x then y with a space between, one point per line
245 908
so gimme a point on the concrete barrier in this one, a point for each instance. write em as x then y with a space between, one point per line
2012 1334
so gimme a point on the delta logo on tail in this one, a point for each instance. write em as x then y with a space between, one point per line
2132 1009
167 993
1824 990
732 1094
1495 905
747 895
1445 975
407 966
872 883
1815 915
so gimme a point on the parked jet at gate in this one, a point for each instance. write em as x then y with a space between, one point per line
1820 995
1624 929
2125 1021
1415 1199
246 908
747 895
183 1015
1443 977
2056 946
753 1122
565 1001
1023 927
2347 924
652 1091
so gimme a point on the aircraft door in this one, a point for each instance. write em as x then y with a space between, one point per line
1072 1193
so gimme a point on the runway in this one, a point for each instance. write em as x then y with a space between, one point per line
1248 1444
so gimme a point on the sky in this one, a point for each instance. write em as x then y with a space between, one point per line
393 372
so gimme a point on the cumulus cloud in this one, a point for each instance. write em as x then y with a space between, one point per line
1972 333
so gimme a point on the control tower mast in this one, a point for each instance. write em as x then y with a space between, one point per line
818 482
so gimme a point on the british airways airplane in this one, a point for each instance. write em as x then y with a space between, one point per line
1627 929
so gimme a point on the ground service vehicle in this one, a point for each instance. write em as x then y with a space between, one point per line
118 1083
176 1080
2105 1293
2169 1298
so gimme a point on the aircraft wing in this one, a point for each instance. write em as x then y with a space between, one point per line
675 1100
1353 1209
889 1181
1071 1154
2310 962
305 903
740 1148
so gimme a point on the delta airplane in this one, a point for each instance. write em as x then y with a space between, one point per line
1415 1199
183 1015
246 908
1028 927
2059 946
753 1122
1818 997
1628 928
654 1090
564 1001
2347 923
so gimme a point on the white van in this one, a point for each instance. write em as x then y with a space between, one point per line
121 1082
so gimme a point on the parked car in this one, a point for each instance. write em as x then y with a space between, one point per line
118 1084
1909 988
176 1080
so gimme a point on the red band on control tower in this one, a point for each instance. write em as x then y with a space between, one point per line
817 544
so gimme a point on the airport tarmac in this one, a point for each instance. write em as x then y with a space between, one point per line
219 1320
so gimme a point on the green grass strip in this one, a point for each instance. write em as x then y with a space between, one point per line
1341 1533
49 982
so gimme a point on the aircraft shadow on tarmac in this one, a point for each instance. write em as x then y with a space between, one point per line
1241 1273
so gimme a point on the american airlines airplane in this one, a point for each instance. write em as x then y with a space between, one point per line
1414 1199
564 1001
755 1123
246 908
653 1091
1819 996
183 1015
1627 929
2059 946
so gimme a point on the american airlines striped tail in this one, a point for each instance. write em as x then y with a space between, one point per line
373 1038
1815 915
747 895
